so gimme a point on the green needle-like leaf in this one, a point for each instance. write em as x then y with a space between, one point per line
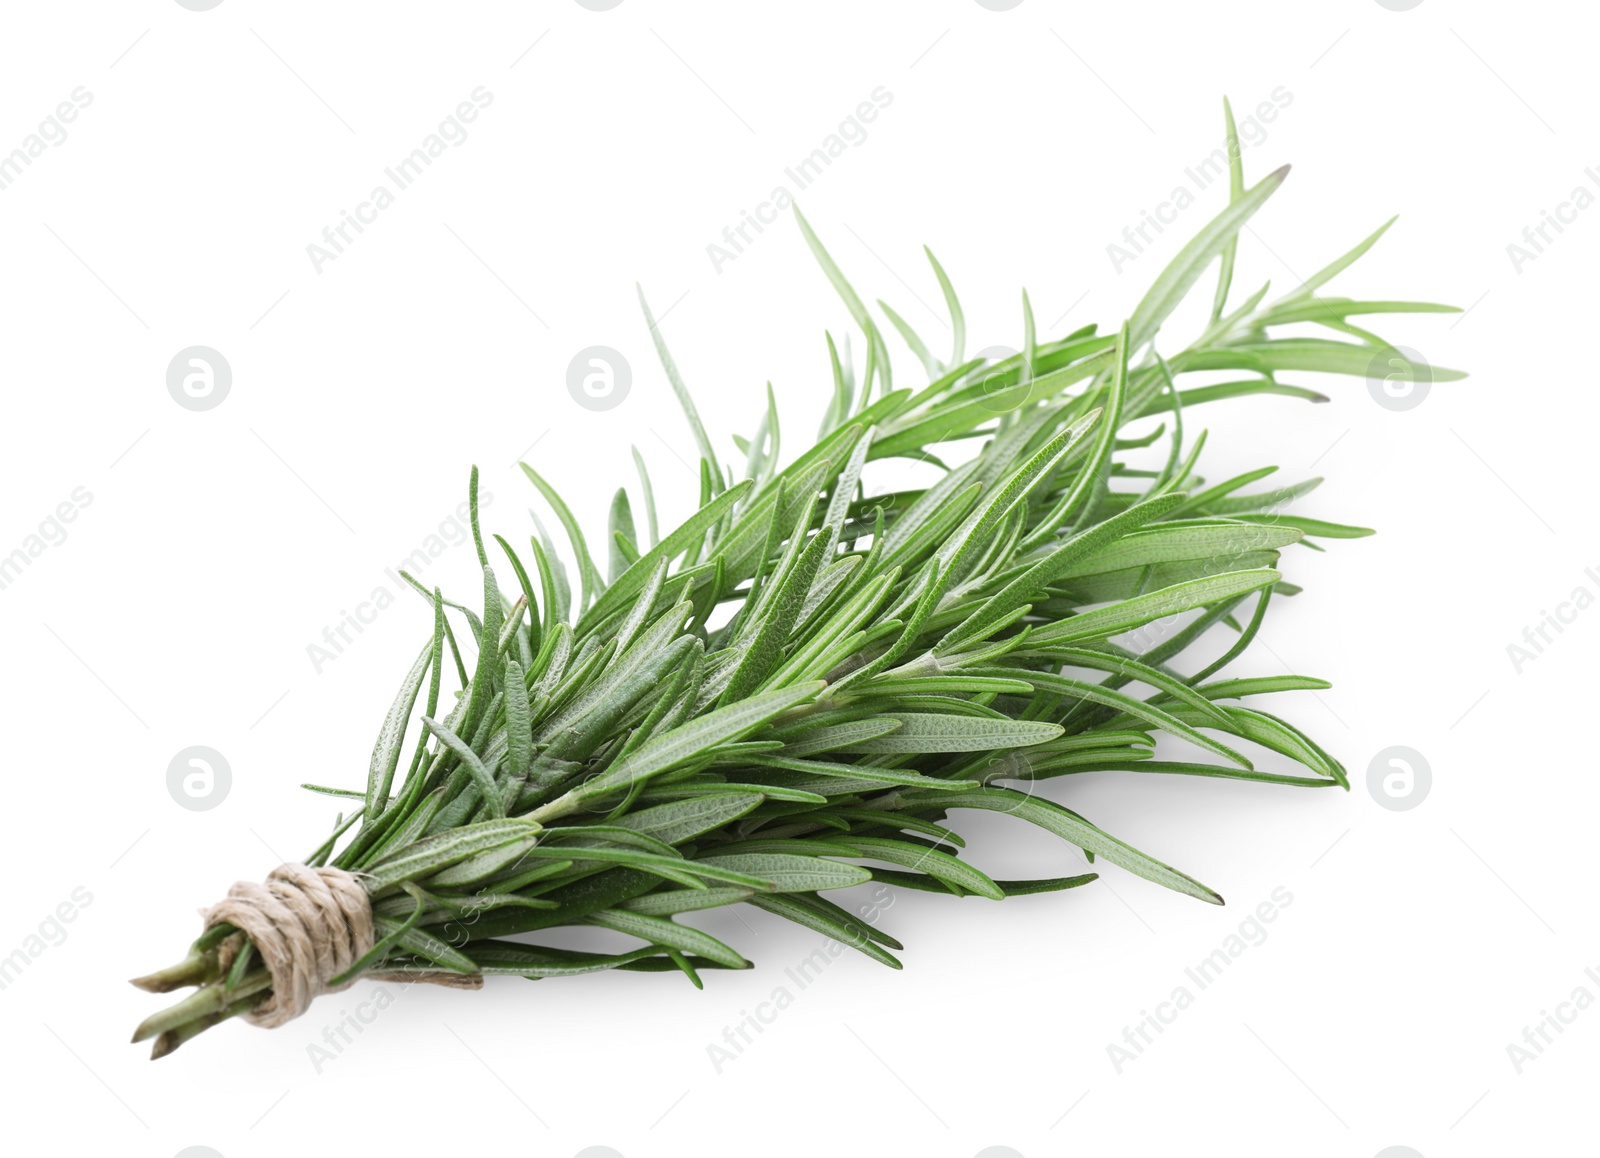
1024 572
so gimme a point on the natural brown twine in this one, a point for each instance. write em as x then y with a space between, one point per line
309 925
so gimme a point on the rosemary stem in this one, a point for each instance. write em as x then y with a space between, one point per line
197 968
210 999
173 1038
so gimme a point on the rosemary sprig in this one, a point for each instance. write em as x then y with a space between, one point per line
880 662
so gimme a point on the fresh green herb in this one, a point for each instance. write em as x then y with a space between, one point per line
881 663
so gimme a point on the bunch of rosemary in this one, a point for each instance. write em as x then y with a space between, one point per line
614 760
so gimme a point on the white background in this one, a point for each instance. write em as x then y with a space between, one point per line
219 545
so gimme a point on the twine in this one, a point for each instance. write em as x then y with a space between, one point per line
309 925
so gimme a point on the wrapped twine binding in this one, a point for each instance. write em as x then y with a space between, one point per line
309 925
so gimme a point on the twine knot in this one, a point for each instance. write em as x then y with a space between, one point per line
309 925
